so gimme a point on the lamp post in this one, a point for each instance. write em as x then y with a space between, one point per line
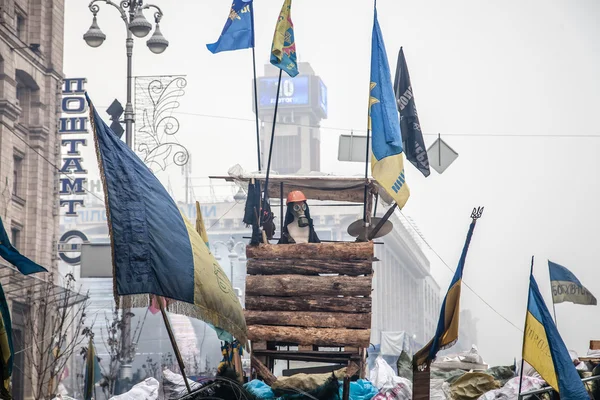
135 25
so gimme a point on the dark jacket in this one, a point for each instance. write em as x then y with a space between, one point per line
289 218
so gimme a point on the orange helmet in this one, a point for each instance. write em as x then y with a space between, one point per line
295 196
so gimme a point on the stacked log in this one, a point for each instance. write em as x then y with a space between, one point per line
310 294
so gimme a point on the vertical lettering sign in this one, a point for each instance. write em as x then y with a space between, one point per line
73 130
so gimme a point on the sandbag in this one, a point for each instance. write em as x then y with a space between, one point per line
438 389
510 390
145 390
472 385
306 382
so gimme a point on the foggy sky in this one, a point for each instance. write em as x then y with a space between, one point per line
496 80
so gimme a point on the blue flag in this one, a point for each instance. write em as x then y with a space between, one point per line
238 32
544 349
387 164
566 287
155 249
12 255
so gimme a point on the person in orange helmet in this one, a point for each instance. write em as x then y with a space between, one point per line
298 225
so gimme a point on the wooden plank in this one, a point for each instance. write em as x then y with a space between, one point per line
309 267
299 285
262 371
313 303
318 251
304 356
259 346
594 344
421 384
316 336
309 319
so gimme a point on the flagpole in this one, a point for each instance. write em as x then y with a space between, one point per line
256 106
524 333
553 305
255 90
271 144
174 344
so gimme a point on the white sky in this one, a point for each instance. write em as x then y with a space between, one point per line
496 79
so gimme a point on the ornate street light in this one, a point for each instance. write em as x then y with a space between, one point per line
136 25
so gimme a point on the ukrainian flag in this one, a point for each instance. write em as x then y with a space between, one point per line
446 333
92 371
387 163
283 49
544 349
155 249
6 345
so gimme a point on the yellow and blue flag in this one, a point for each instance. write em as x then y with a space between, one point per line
92 371
387 163
12 255
238 32
283 49
544 349
566 287
155 249
6 344
446 333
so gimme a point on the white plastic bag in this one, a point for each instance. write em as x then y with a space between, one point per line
511 388
145 390
174 386
438 389
391 386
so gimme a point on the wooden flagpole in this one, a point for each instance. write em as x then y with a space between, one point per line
174 344
524 333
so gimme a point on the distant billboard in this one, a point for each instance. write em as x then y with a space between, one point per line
293 91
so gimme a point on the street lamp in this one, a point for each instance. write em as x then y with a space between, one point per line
136 25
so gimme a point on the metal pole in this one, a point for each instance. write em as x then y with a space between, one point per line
525 332
553 305
174 344
126 311
266 189
255 92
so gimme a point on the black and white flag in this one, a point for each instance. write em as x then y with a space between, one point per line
412 137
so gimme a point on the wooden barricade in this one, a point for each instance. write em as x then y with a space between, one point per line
309 296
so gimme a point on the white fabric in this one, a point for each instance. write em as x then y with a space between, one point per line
393 343
510 390
439 389
145 390
467 360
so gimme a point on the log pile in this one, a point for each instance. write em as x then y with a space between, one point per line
310 294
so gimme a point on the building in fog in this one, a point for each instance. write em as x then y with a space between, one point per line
302 106
31 73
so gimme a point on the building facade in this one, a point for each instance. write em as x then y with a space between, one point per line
31 64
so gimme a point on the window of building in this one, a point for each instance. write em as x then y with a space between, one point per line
15 235
17 174
21 29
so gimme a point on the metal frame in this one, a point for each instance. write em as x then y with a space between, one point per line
13 282
549 389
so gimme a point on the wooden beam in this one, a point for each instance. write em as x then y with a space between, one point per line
316 336
313 303
299 285
319 251
309 267
262 371
309 319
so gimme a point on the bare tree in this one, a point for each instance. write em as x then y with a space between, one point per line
117 354
55 328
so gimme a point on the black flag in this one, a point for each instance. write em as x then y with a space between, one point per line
412 137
